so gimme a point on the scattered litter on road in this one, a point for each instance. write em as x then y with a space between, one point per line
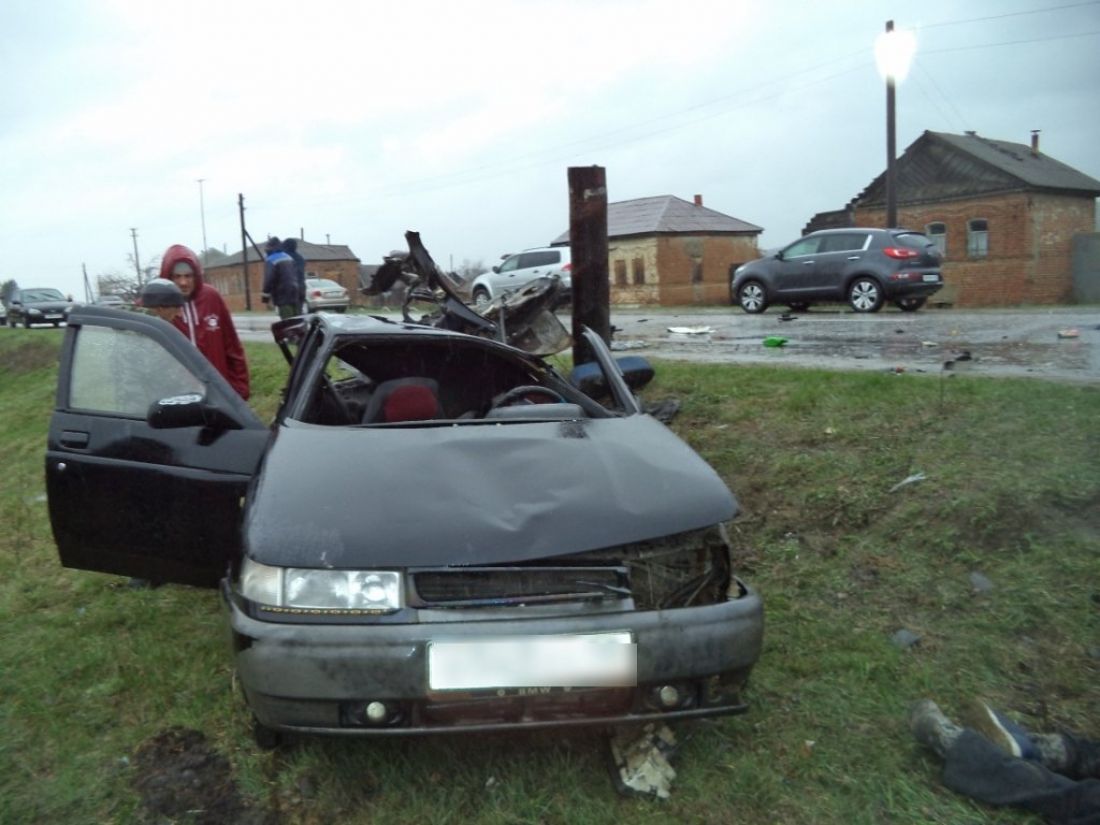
1069 333
786 316
929 344
664 411
623 345
912 479
640 760
690 330
896 370
775 341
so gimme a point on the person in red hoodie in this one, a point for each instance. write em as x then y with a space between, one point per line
205 319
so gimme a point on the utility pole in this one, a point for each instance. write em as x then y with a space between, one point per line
202 214
88 297
588 239
137 265
244 256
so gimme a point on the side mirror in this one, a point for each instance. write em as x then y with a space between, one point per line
190 410
589 378
779 255
496 269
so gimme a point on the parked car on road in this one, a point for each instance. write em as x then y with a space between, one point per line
39 305
439 532
114 301
865 267
325 294
520 269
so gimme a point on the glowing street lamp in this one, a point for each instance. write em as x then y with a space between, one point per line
893 53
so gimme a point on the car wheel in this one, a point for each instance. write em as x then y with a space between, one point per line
481 299
865 295
266 738
798 306
909 304
752 297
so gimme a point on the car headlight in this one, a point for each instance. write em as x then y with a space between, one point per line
303 588
33 311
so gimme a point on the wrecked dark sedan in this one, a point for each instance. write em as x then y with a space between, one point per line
439 532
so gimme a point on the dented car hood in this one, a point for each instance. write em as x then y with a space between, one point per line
474 493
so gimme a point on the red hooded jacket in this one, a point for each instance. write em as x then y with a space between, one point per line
206 321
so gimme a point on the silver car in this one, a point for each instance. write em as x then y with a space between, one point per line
520 269
324 294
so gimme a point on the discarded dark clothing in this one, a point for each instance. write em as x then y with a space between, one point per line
977 768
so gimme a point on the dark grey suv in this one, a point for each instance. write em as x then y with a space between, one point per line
865 267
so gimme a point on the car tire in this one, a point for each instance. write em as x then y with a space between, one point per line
481 298
865 294
909 304
752 297
267 739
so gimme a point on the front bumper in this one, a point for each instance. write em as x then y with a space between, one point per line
320 678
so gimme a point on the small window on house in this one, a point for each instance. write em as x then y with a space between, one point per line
977 239
937 234
638 265
620 273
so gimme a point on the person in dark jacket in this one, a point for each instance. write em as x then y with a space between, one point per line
290 247
205 318
280 286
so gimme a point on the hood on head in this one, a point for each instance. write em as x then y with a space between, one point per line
290 245
174 255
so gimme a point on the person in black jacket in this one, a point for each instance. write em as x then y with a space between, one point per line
290 247
280 285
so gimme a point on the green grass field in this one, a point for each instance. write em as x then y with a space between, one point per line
90 669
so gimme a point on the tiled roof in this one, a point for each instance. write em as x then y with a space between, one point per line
665 214
309 251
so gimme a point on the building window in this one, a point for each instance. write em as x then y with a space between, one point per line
977 239
937 233
638 265
620 273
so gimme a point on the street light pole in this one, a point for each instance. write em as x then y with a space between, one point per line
202 215
893 52
891 148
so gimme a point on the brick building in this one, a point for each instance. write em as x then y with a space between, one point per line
332 261
665 250
1004 215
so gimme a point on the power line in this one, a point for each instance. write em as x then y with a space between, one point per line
1008 14
1012 42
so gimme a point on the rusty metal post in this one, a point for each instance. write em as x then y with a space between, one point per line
588 239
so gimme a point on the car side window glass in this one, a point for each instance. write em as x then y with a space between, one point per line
510 264
123 372
806 246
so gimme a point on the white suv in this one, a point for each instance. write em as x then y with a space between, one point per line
518 270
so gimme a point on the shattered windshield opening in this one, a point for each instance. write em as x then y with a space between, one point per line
375 381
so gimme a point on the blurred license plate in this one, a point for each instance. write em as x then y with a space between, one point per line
931 277
588 660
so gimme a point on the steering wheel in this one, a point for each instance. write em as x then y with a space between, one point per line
516 393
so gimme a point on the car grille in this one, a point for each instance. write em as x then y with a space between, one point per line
688 569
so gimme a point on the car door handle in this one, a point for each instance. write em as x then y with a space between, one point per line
75 440
854 257
808 263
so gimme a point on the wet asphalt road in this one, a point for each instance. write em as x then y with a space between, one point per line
1022 343
1002 342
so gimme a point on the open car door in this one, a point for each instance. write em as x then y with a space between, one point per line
149 453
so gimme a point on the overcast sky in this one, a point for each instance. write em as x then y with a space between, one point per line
354 121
